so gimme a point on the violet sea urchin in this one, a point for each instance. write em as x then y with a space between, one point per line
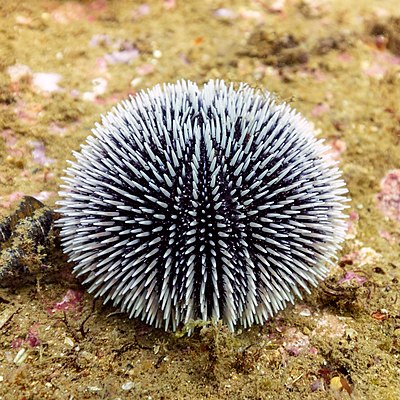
210 202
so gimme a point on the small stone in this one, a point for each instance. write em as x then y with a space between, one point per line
305 313
306 330
6 315
157 54
350 333
122 57
225 13
136 81
317 385
99 87
20 357
88 96
22 20
94 389
127 386
87 356
277 6
335 384
18 71
46 82
44 195
69 342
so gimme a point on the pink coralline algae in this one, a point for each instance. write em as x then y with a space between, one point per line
381 63
15 196
123 51
387 236
296 342
140 11
361 257
38 153
9 138
43 195
73 11
31 339
145 69
329 326
352 223
320 109
169 4
389 196
123 56
277 6
42 82
345 57
72 301
352 276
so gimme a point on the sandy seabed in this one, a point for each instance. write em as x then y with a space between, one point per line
63 63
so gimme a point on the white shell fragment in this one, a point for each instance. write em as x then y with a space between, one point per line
198 203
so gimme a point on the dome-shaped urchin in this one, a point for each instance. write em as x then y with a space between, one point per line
200 203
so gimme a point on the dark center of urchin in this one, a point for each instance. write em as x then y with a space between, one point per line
193 203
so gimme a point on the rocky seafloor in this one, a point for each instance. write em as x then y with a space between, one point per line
63 63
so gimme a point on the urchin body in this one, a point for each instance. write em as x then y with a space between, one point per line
200 203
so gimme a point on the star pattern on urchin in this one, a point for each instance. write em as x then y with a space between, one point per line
199 203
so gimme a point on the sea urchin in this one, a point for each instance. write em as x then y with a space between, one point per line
200 203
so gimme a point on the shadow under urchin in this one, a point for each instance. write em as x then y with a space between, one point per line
202 203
